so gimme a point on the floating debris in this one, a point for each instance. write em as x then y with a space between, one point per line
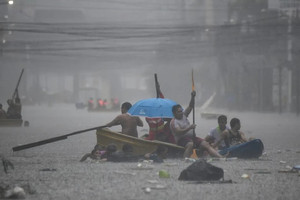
262 172
288 167
287 171
15 193
28 188
159 187
164 174
125 173
256 169
48 170
282 162
189 160
140 166
245 176
296 167
147 189
156 187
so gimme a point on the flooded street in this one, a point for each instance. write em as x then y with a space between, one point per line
237 55
53 170
46 122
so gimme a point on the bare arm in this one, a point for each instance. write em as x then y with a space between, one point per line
243 137
114 122
210 139
182 131
85 157
222 138
188 110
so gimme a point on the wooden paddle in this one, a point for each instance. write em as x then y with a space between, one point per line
194 154
156 85
54 139
16 89
193 89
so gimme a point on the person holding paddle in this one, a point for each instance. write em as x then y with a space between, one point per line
183 131
14 104
129 123
14 108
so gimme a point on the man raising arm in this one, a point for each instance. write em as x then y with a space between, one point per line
183 130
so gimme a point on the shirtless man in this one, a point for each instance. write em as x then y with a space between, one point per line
129 123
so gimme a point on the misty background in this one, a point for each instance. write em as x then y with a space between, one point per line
247 52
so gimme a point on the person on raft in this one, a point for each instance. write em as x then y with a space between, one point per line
129 123
232 136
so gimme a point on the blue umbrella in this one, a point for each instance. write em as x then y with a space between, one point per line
153 107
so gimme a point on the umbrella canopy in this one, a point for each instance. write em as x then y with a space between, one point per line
153 107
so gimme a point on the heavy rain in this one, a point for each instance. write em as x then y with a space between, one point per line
240 56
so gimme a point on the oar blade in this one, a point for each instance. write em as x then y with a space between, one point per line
193 84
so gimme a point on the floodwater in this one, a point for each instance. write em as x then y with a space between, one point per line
71 179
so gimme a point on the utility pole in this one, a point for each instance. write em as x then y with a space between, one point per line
289 59
280 88
297 20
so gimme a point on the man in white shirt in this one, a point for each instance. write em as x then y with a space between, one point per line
215 134
183 130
